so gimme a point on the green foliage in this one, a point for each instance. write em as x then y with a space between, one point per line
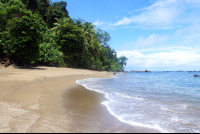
62 7
56 10
122 60
47 10
22 36
109 59
96 48
43 25
43 6
98 64
103 37
50 55
31 4
4 1
49 50
72 41
40 32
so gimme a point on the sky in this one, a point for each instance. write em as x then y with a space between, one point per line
155 35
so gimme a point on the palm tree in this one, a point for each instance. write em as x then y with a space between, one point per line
96 48
89 31
89 45
59 24
79 22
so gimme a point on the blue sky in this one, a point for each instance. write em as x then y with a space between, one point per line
155 35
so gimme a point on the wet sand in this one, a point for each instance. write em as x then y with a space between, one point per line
47 99
87 115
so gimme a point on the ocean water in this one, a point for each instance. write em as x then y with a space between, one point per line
167 101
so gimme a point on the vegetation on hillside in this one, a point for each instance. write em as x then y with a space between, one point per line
39 32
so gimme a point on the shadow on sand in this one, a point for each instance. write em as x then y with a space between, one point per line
31 68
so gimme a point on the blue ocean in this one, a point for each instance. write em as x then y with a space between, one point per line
167 101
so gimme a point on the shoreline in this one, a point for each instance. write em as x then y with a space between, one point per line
98 119
48 99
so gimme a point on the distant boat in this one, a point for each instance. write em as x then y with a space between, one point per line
196 75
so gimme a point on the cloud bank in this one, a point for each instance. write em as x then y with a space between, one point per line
163 14
178 20
174 59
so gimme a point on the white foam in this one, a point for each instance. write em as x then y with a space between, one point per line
166 109
90 79
163 108
121 118
126 96
176 119
196 131
91 88
114 76
184 106
170 116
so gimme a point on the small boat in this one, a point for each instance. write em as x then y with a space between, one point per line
196 75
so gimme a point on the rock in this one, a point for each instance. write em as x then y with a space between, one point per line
196 75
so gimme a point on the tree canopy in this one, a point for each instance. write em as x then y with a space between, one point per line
39 32
20 33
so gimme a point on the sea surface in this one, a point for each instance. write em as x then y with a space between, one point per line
167 101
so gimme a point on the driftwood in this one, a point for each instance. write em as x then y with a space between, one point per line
6 62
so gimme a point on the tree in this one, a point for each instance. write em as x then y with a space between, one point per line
72 41
122 60
43 7
89 31
50 53
103 37
59 24
56 10
31 4
4 1
21 33
62 6
79 22
38 31
96 48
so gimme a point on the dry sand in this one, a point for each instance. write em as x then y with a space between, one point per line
47 99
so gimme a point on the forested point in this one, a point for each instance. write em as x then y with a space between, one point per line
39 32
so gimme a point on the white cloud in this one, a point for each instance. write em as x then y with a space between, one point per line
103 25
128 54
151 40
189 35
139 60
142 42
123 21
99 23
169 49
191 29
164 14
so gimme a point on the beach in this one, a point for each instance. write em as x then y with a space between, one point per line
48 99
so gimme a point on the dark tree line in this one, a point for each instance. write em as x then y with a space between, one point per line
39 32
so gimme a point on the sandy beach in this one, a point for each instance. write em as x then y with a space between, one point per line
48 99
